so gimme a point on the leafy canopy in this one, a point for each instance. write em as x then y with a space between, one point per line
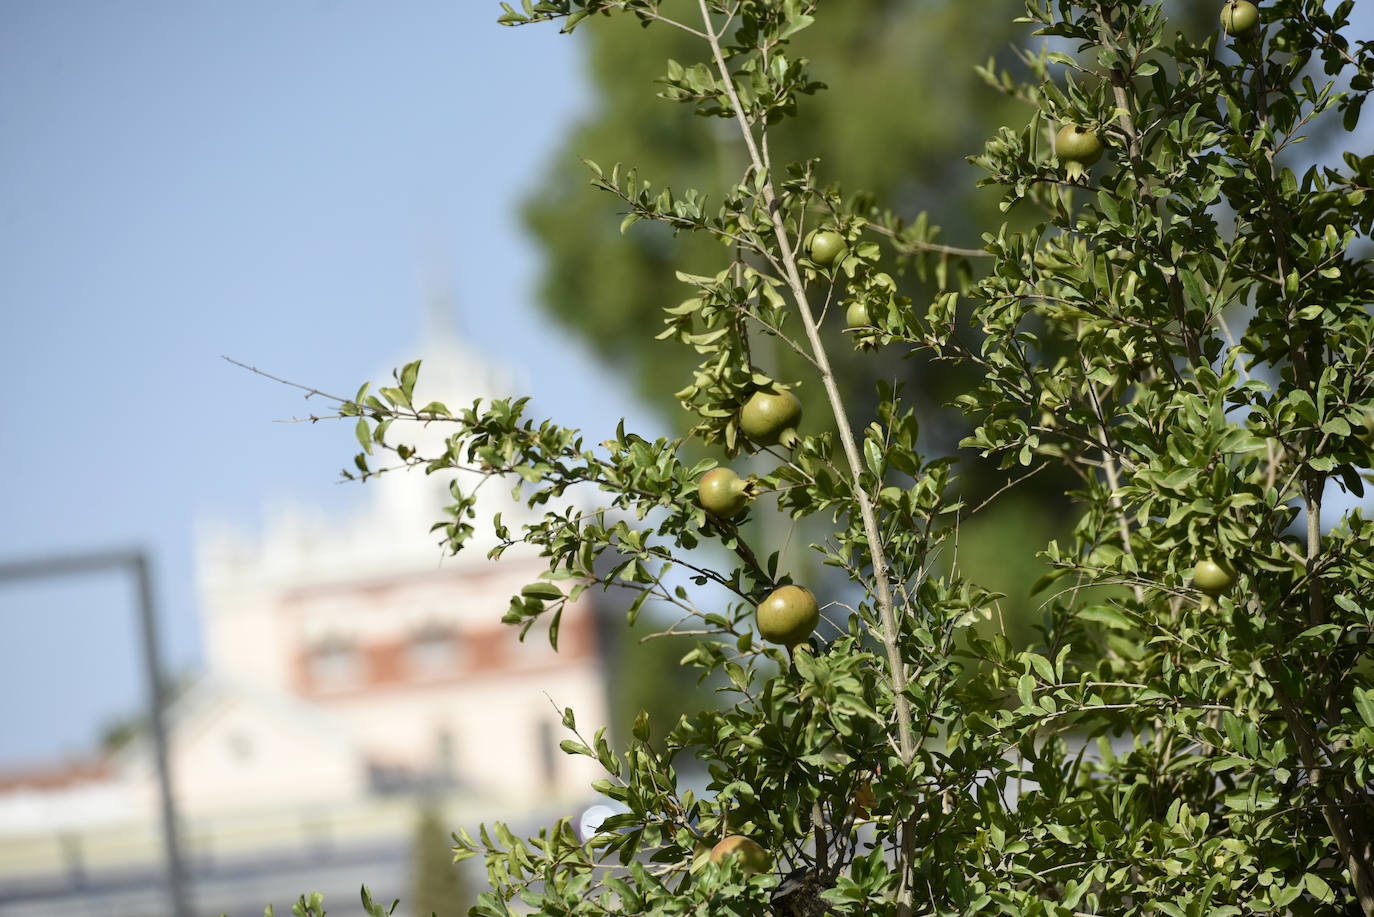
1184 327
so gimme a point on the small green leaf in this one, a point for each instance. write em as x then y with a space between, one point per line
873 458
1106 615
408 375
542 590
573 747
1364 704
1318 887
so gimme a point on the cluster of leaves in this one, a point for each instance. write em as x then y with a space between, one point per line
1160 750
877 56
313 906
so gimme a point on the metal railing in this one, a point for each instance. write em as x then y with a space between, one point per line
136 562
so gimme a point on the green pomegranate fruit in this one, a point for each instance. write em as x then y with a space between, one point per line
856 316
1213 577
825 246
752 856
788 615
722 493
1077 149
1238 17
769 418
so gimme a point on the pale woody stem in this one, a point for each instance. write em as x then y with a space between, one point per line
882 588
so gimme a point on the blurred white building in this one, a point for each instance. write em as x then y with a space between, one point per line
351 667
400 647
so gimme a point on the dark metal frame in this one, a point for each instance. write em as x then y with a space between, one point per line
135 562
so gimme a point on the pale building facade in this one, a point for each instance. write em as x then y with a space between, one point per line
352 666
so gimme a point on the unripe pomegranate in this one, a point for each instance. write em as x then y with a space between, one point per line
788 615
1077 149
1239 16
824 246
1213 577
722 493
771 417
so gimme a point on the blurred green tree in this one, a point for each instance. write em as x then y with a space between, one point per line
437 883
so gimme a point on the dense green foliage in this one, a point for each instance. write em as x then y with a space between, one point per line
903 110
896 122
1184 327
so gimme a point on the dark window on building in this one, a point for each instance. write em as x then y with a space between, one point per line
432 651
334 663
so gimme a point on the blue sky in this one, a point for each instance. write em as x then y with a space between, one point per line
279 182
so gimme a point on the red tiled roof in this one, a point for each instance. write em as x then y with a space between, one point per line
54 775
